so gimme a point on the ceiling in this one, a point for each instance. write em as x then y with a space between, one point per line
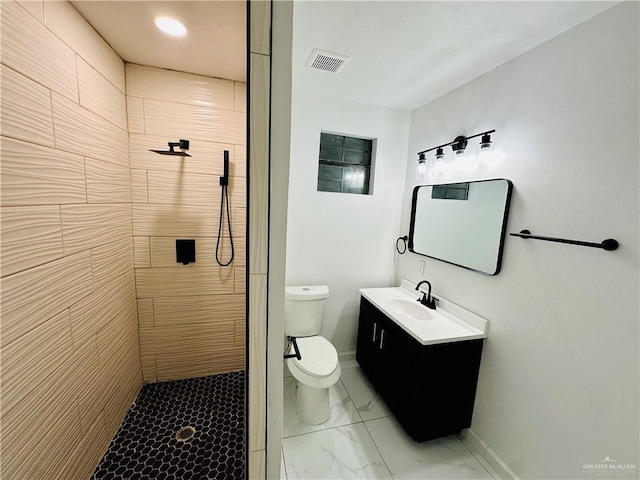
215 44
403 54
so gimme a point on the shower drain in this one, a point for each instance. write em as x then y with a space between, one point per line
185 433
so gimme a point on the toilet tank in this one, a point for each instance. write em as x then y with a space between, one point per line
304 310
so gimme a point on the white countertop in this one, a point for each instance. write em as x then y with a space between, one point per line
447 323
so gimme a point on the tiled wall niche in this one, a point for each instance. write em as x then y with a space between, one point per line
70 355
192 317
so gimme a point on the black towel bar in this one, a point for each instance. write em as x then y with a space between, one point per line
608 244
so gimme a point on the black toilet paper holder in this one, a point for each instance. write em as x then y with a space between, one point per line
292 341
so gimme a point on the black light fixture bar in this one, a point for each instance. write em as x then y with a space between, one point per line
455 141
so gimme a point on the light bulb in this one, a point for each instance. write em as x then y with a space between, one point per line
458 148
171 26
466 165
486 154
491 158
421 167
438 165
449 166
457 163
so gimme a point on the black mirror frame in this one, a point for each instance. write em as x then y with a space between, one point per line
502 233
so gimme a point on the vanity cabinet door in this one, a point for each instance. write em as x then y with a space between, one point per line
450 392
397 353
369 335
386 354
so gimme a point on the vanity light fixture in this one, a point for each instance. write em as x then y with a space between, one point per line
486 155
438 166
485 143
458 147
422 164
171 26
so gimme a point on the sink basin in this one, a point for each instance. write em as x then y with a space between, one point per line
447 323
410 309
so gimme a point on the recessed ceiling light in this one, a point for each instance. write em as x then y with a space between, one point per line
171 26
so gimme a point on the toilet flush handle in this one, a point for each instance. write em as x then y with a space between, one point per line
292 341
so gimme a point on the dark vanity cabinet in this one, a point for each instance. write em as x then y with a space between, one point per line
429 388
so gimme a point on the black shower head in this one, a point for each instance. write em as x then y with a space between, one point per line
171 152
182 144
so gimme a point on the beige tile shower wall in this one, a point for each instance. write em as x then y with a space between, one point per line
192 317
259 119
69 332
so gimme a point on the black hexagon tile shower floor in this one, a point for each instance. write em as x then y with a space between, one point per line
154 443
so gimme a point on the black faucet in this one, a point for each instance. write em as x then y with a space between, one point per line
427 300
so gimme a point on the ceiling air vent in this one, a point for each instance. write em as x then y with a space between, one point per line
327 61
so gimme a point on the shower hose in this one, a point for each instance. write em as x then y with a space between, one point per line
224 200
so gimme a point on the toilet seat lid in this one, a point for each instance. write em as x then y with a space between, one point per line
319 356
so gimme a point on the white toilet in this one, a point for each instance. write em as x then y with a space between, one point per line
318 368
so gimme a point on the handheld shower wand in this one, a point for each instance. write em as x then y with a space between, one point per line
224 183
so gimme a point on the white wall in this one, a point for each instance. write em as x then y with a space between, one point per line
345 241
558 384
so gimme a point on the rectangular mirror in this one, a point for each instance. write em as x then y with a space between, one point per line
461 223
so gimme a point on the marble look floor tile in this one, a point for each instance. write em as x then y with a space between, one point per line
283 468
343 411
369 404
445 458
343 453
